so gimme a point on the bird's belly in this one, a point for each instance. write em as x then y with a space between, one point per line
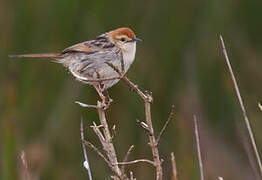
100 71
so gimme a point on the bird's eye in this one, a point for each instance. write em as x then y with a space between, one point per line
123 39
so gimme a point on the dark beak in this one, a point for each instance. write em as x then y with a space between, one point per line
135 39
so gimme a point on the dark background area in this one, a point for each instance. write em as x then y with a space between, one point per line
180 61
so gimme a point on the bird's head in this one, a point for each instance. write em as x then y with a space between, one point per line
124 38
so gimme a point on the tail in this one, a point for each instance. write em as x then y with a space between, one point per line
41 55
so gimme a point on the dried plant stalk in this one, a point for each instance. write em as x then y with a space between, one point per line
243 109
174 170
198 149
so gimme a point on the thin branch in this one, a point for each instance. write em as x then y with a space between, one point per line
126 157
148 99
98 132
171 116
174 170
25 165
137 161
129 83
152 139
85 105
86 162
91 146
107 144
128 152
113 132
198 148
136 89
251 136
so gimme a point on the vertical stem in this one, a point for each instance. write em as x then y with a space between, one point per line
174 170
244 113
110 150
152 139
86 162
198 149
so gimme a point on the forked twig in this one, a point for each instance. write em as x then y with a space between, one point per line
171 116
129 83
98 133
86 162
148 99
174 170
244 113
107 143
198 148
151 137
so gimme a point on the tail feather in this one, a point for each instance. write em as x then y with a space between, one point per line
41 55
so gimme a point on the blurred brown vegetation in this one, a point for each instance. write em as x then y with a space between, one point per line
179 60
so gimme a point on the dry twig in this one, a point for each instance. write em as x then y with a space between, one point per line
198 149
91 146
126 157
128 152
106 138
152 139
148 99
244 113
25 166
107 142
85 105
174 170
137 161
171 116
86 162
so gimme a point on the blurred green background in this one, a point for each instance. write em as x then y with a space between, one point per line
179 60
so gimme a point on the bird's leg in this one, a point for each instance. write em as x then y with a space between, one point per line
106 100
100 92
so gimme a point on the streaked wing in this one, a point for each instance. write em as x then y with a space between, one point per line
95 64
100 43
81 47
91 58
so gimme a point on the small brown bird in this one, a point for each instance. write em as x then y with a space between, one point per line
99 61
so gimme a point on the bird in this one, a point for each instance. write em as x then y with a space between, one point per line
99 62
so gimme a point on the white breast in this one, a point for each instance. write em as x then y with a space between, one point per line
129 54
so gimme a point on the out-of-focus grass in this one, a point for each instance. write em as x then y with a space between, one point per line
180 60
